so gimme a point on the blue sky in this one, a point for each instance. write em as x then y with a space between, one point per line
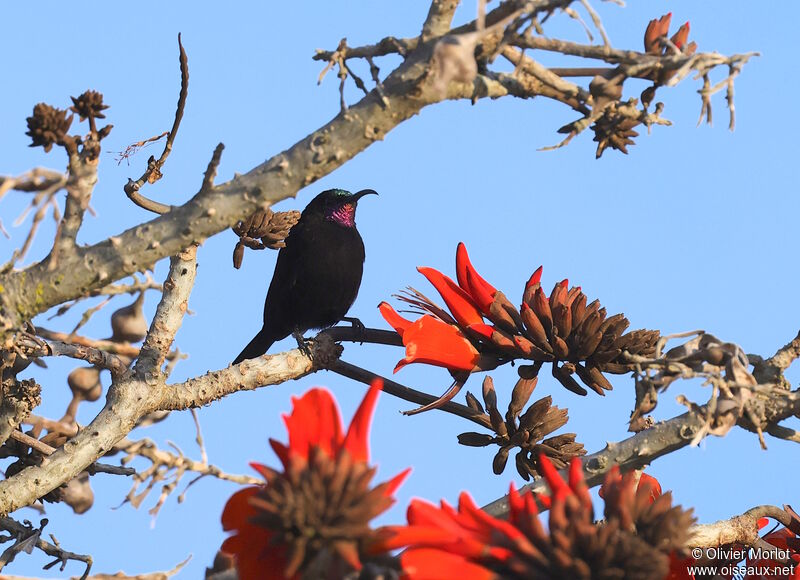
695 228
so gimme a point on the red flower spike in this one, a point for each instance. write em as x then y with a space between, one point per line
762 523
431 341
396 321
469 543
679 38
457 300
276 538
393 484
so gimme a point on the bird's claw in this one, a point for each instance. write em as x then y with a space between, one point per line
358 327
302 344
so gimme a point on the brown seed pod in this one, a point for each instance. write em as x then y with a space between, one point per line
84 382
128 323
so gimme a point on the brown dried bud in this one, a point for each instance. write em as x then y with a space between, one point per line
565 378
614 130
541 307
489 394
473 402
103 132
520 396
500 460
238 255
89 105
128 323
471 439
48 126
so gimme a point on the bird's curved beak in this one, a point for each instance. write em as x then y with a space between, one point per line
362 193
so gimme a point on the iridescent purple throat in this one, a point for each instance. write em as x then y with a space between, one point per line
344 215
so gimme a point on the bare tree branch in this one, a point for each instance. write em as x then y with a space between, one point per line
26 537
407 89
439 18
640 450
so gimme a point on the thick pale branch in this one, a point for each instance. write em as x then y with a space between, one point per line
741 529
251 374
439 18
80 184
169 314
130 398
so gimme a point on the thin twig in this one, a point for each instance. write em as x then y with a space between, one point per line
153 172
361 375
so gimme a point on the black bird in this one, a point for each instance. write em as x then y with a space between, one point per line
317 274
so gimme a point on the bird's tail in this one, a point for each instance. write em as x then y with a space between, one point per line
256 347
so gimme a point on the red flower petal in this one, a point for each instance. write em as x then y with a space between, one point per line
282 451
422 513
481 292
652 482
457 300
558 486
483 330
357 439
431 341
468 279
400 536
483 521
238 509
433 564
314 422
577 483
393 318
266 472
516 504
395 482
536 278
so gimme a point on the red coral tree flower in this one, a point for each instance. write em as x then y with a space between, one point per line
314 515
481 329
466 543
